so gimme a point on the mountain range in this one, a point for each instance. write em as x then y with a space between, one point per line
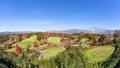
91 30
71 31
16 32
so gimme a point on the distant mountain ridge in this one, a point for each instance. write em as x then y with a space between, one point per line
71 31
17 32
91 30
75 31
101 31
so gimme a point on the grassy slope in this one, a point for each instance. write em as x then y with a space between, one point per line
25 43
99 54
53 51
50 52
54 40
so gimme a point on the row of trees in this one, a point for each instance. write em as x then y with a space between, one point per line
19 37
45 35
42 37
96 39
3 38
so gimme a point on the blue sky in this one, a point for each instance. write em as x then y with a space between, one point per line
44 15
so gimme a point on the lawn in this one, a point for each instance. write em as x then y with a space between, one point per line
53 51
27 42
32 38
100 53
84 40
54 40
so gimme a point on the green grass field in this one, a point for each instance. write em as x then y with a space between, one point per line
54 40
53 51
50 52
84 40
27 42
95 54
100 53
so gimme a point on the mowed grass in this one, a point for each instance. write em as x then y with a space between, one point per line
53 51
27 42
54 40
84 40
100 53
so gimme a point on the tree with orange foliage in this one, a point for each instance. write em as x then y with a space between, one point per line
35 44
18 50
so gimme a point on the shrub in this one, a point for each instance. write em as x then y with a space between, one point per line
35 44
49 43
11 60
41 42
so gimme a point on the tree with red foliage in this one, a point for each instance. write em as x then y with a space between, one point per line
18 50
35 44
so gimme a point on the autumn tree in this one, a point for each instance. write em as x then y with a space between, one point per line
67 45
116 34
25 36
103 36
46 34
11 38
93 38
35 44
17 38
62 40
108 41
18 50
102 39
41 42
116 38
49 43
39 36
20 37
79 37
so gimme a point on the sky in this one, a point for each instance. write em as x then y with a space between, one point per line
45 15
